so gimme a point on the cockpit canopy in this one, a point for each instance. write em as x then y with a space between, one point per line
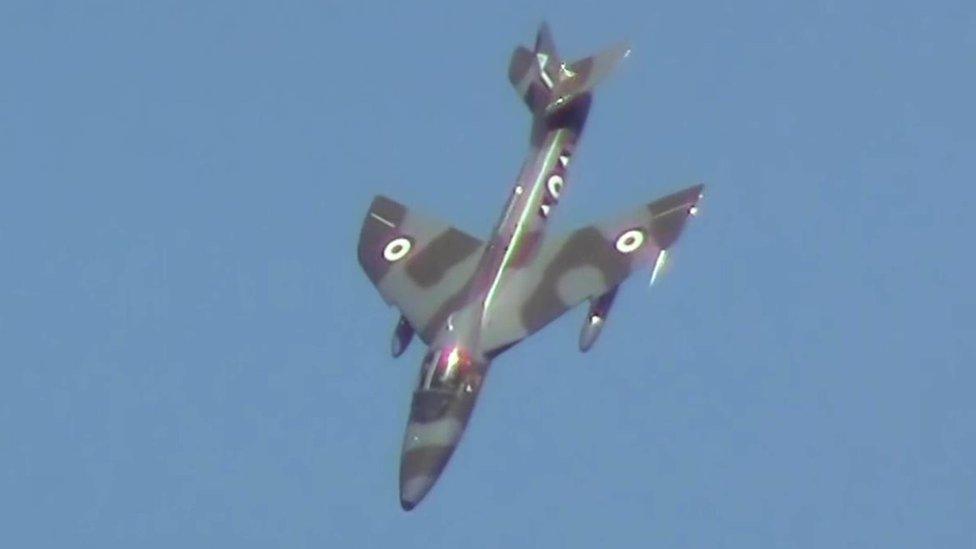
445 369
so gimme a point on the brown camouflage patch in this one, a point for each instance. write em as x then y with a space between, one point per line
428 266
585 247
682 199
428 406
430 460
669 214
425 461
375 234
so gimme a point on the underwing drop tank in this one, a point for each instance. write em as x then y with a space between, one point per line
402 336
596 317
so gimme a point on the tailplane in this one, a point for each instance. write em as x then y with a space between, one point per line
547 83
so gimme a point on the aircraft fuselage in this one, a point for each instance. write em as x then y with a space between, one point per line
470 299
439 415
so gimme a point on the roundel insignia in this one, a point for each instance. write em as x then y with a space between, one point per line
397 249
555 185
630 241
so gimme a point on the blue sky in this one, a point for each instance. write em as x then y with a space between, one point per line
190 355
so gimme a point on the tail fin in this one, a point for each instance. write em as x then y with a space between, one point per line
547 83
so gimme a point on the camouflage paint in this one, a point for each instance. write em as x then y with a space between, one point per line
473 299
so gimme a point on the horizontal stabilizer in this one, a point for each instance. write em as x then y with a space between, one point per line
546 83
585 74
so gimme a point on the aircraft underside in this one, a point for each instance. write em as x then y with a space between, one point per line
469 300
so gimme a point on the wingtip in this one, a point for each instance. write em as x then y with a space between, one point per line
624 48
699 190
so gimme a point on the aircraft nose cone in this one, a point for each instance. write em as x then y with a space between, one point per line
407 504
414 490
437 420
425 454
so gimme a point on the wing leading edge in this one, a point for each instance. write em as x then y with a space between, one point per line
585 264
419 265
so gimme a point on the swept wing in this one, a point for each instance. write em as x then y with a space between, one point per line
419 264
585 264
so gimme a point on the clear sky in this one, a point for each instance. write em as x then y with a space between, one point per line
190 355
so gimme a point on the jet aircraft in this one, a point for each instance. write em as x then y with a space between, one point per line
469 299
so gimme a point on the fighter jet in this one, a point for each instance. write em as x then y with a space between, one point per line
469 299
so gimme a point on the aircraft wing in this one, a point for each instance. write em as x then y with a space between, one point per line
419 265
585 264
